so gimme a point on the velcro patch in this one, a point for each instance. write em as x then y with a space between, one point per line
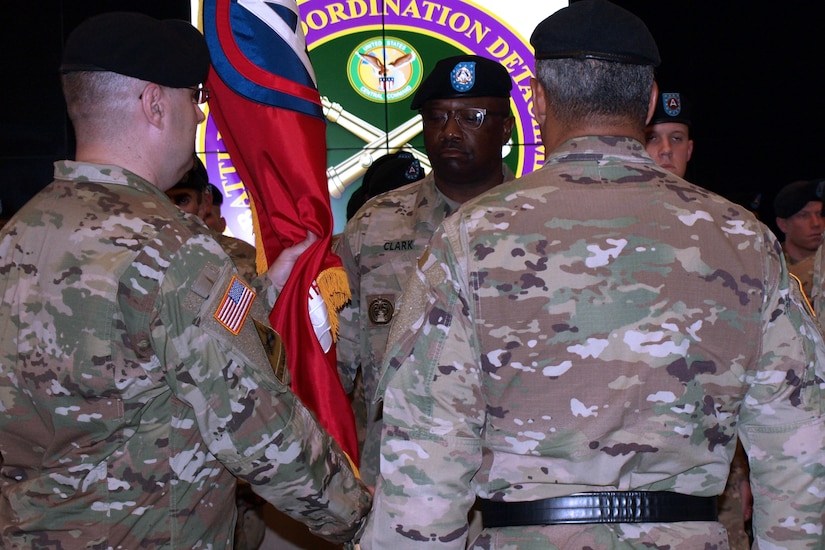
274 348
235 305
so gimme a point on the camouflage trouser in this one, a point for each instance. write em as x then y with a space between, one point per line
250 527
730 502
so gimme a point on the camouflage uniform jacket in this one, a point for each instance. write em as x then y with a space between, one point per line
379 249
127 404
599 324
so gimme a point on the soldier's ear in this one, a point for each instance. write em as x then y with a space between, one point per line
651 106
151 101
539 101
507 130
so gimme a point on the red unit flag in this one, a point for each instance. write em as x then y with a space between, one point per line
267 108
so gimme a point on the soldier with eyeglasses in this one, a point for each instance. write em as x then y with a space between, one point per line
138 375
465 107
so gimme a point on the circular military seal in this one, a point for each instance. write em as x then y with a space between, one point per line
381 310
385 69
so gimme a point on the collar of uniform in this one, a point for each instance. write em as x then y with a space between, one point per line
430 205
602 148
102 173
452 205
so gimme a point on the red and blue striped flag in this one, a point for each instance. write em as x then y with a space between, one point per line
266 105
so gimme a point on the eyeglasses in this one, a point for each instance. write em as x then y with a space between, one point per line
469 118
200 94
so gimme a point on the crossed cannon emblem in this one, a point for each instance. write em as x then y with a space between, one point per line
340 176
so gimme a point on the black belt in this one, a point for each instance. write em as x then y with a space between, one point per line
600 507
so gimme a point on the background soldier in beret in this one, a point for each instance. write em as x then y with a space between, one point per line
386 173
667 136
194 195
465 105
214 218
580 348
798 209
133 380
191 193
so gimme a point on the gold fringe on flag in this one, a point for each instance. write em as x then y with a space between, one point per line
334 287
332 282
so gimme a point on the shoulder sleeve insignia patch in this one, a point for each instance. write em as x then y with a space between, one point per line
235 305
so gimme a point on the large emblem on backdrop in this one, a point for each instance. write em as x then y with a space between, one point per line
369 61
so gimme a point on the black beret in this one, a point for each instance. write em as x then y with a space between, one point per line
463 76
671 107
217 196
356 201
171 52
196 178
385 174
391 171
595 29
793 197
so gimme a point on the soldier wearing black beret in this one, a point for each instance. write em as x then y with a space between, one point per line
798 210
464 103
667 136
135 388
188 193
465 107
171 54
579 349
385 174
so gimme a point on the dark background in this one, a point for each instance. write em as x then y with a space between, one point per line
752 71
34 128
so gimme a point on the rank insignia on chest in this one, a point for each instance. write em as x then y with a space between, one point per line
235 305
380 310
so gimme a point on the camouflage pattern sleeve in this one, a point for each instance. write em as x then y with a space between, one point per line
246 415
129 400
348 345
433 416
781 422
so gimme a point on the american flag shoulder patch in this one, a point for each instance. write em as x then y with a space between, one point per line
235 305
